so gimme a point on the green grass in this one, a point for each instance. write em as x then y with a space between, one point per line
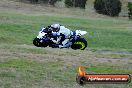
109 69
32 72
108 34
25 73
24 66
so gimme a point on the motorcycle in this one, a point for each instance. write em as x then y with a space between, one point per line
76 41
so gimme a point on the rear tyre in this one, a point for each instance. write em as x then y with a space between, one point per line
80 43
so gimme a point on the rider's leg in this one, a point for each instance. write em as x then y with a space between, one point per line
64 43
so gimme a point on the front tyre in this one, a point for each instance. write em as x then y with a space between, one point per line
36 42
40 43
80 43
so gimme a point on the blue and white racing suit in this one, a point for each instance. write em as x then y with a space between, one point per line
63 31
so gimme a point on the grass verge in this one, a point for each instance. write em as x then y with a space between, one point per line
26 73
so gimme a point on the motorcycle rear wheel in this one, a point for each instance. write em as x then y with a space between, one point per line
80 43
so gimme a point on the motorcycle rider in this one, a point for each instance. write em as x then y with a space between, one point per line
62 33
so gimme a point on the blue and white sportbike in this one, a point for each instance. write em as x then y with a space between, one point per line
76 41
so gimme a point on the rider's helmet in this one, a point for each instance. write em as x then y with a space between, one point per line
55 27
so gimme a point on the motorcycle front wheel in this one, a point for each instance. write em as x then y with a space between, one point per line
36 42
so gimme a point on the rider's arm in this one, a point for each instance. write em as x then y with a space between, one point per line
56 41
47 29
59 37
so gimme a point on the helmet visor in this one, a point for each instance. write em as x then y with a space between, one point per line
55 29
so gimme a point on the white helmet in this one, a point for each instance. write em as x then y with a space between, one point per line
55 27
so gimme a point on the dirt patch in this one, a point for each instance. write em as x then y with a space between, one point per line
67 56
